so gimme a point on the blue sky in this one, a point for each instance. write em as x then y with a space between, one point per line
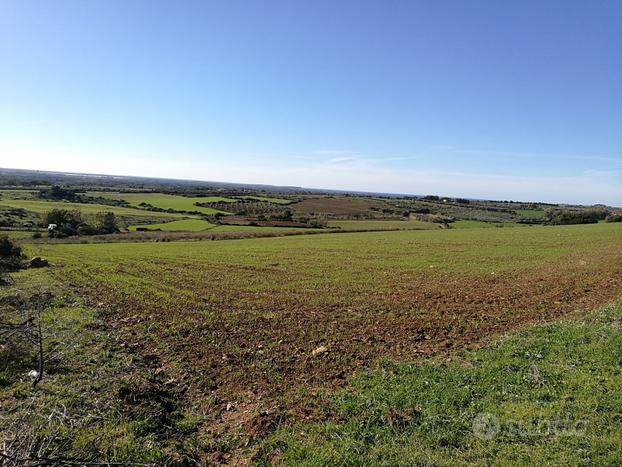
489 99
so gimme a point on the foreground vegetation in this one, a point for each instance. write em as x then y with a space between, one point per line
97 401
548 395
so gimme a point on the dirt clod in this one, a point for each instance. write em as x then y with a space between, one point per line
320 350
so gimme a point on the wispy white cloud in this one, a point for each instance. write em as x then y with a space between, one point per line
334 152
340 155
341 160
603 173
449 151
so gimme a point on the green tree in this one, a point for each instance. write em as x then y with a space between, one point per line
67 222
107 223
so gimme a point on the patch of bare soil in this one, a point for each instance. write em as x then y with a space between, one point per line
339 206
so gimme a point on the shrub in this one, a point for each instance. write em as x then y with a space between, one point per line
284 216
58 193
11 256
87 229
562 217
107 223
613 218
63 216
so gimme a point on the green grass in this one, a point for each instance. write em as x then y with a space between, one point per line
469 224
18 233
76 411
437 413
472 224
41 207
160 200
197 225
256 228
269 199
531 213
185 225
369 254
382 224
217 199
17 194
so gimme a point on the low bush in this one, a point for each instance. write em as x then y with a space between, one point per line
567 217
11 256
57 193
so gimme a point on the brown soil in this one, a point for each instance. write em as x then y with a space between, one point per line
258 369
339 206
